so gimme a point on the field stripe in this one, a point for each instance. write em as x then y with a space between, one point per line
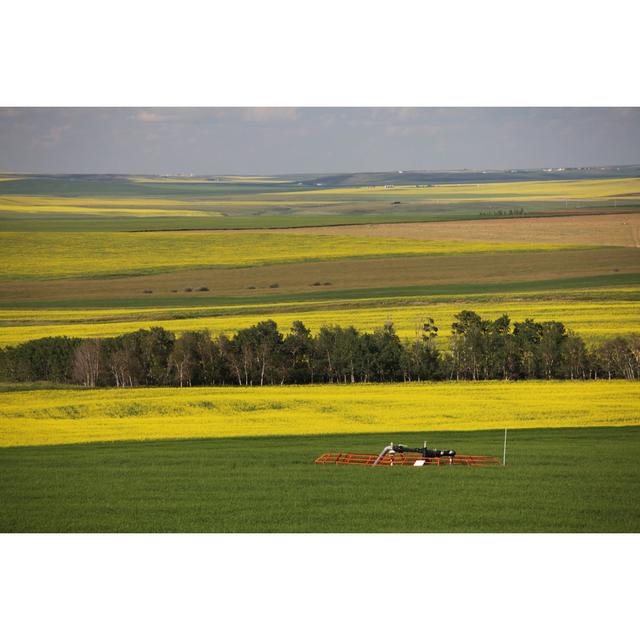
38 417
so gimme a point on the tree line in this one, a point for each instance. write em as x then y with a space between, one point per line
259 355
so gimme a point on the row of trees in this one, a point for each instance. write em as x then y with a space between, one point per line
478 350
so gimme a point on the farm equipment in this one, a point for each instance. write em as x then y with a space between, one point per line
399 454
393 449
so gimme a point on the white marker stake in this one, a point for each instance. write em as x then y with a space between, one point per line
504 451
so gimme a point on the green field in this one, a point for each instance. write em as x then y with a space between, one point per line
556 480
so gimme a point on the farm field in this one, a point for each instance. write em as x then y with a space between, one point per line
52 194
496 191
35 416
120 203
43 254
556 480
569 267
614 229
416 296
222 253
462 273
591 319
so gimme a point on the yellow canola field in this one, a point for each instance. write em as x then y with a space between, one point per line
57 255
72 416
62 202
593 320
626 295
136 213
540 190
136 206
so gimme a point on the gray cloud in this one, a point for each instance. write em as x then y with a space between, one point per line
297 140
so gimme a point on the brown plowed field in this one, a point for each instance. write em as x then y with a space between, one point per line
350 274
613 230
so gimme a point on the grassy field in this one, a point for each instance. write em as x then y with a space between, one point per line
556 480
58 416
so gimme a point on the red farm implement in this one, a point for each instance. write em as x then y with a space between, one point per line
404 456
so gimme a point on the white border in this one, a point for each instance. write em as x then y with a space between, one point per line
313 586
334 53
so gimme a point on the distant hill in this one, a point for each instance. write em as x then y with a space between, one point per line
127 185
463 176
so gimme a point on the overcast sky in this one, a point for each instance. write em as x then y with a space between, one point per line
310 140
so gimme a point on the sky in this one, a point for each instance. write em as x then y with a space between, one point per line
267 141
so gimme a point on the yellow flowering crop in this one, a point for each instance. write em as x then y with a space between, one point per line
49 255
72 416
526 190
21 204
592 319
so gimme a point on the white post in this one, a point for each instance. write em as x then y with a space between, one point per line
504 451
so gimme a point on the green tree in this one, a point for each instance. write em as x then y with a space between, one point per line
552 339
298 355
574 358
469 345
527 336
